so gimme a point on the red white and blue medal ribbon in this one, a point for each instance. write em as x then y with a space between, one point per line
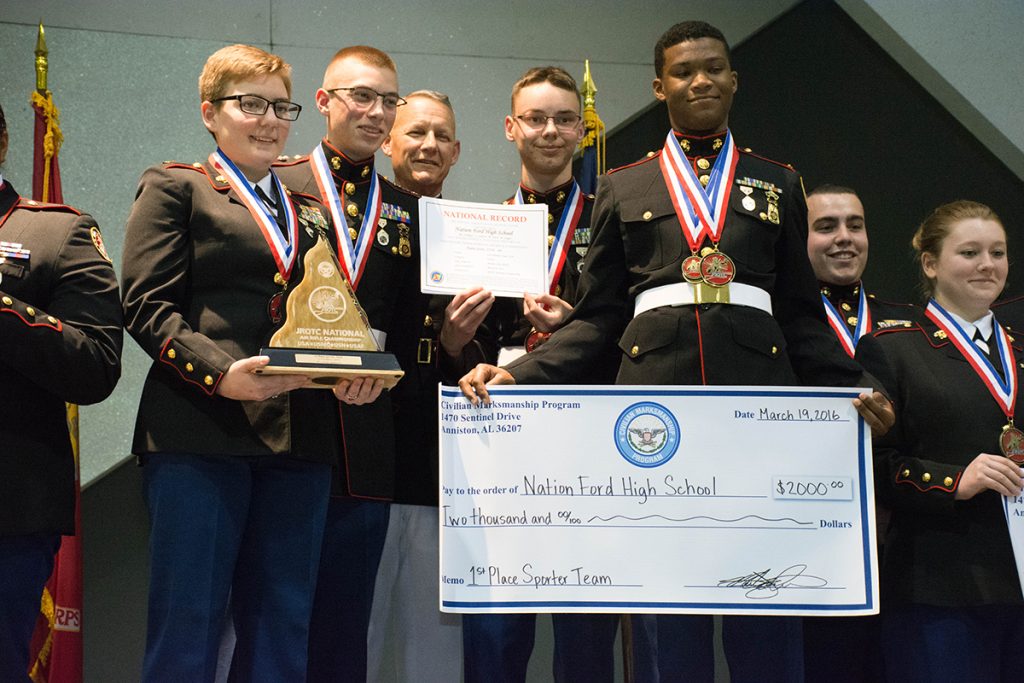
570 218
701 211
353 257
1004 391
835 320
283 250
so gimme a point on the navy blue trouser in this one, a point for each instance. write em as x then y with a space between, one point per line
352 546
758 649
936 644
496 647
25 565
249 527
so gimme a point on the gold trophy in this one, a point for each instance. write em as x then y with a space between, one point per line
326 334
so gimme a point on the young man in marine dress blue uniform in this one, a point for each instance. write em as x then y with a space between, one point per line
646 287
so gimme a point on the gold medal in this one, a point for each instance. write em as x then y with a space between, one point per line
1011 443
717 269
691 268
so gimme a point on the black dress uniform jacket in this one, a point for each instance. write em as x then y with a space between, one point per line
509 324
198 280
389 292
1010 313
938 551
60 340
638 244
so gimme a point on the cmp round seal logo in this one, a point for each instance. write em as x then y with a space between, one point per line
326 304
647 434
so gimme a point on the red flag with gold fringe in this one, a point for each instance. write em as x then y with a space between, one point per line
56 648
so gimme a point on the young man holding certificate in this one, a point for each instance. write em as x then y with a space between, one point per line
377 233
546 127
698 271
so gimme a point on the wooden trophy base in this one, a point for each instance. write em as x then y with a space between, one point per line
325 368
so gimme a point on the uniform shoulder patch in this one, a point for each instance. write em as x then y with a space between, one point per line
33 205
650 156
898 326
97 241
788 167
409 193
284 160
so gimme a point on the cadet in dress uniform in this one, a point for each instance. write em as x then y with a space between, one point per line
378 235
837 246
546 127
60 340
236 465
651 282
951 596
423 643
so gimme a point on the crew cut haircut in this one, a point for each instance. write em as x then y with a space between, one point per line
556 76
683 32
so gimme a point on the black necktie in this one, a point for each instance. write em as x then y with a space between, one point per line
275 209
990 352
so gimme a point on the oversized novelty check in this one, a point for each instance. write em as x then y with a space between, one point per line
701 500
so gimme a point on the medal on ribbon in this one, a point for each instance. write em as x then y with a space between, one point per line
701 210
353 252
1003 389
560 242
835 320
284 250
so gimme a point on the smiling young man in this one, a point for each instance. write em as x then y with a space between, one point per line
837 246
376 225
653 272
545 126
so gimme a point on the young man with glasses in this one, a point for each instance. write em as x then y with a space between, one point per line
546 127
377 221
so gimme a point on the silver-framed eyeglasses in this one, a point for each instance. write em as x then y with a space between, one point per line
363 97
257 106
564 121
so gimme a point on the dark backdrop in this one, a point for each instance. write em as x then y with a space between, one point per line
818 92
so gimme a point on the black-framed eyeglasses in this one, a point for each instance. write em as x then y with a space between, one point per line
566 122
257 106
362 96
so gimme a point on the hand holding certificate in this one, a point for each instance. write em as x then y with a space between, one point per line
497 246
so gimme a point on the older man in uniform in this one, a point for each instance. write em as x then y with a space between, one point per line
659 260
837 246
424 643
60 340
379 253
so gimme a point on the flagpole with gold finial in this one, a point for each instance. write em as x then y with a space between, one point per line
592 123
43 100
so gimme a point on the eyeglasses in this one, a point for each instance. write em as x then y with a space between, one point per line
362 96
537 121
256 105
